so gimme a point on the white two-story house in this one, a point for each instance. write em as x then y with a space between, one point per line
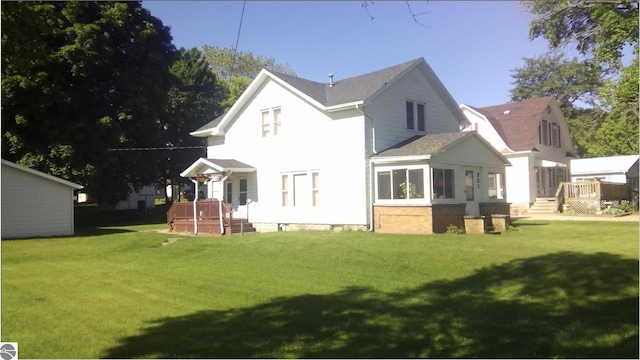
534 136
380 151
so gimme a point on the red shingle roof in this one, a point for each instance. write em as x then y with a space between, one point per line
517 122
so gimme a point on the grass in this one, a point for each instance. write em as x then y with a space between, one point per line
547 289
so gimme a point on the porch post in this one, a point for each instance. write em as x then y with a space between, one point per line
195 199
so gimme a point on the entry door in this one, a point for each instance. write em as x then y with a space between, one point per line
242 200
472 190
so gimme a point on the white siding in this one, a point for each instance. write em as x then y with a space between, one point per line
485 129
309 140
389 113
33 206
521 180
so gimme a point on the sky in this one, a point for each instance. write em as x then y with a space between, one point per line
470 45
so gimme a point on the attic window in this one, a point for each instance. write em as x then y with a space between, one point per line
548 109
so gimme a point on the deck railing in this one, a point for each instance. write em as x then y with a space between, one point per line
596 190
207 210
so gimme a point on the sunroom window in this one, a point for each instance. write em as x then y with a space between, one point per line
401 184
443 184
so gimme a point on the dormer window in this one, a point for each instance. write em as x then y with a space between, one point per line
415 116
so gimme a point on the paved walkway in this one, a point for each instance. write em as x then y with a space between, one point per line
561 217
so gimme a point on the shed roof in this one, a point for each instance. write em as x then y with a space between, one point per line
604 165
42 175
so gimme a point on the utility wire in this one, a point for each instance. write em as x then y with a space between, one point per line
235 48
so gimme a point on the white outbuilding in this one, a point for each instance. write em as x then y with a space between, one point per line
35 204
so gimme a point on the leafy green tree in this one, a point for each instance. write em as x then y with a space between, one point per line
619 132
236 70
572 83
194 99
600 31
78 79
600 28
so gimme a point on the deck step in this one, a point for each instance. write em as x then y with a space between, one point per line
544 205
241 225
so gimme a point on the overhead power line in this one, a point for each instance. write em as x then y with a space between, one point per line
159 148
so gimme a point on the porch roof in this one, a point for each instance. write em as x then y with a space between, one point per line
216 166
422 145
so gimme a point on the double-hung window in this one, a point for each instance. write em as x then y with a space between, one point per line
555 135
416 119
271 122
543 135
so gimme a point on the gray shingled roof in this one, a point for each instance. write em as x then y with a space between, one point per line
518 127
424 144
230 164
211 124
357 88
347 90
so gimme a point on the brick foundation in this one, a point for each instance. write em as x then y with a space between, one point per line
417 219
474 224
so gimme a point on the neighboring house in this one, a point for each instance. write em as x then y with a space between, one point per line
618 169
35 204
142 199
297 154
534 136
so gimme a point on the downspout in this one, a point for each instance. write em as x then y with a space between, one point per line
369 164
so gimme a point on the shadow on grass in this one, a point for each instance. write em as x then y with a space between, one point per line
558 305
92 221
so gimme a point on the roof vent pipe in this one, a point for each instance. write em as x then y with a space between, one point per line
330 80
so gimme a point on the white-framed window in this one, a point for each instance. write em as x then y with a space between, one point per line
443 181
416 116
265 123
277 121
285 189
300 188
401 183
271 121
496 185
315 188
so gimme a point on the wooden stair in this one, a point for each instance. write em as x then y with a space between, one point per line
544 205
241 226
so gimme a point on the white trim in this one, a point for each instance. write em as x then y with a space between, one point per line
395 159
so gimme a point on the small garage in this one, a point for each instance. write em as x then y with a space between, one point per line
35 204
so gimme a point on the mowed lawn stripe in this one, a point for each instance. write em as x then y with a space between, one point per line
565 289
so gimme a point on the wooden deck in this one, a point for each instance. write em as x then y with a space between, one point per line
210 214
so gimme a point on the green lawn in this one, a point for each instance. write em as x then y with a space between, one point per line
547 289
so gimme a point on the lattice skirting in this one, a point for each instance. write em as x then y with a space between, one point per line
595 206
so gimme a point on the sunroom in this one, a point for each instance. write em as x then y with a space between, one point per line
429 183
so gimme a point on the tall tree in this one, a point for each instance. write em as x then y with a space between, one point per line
600 31
236 70
619 132
194 99
600 28
78 79
572 83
